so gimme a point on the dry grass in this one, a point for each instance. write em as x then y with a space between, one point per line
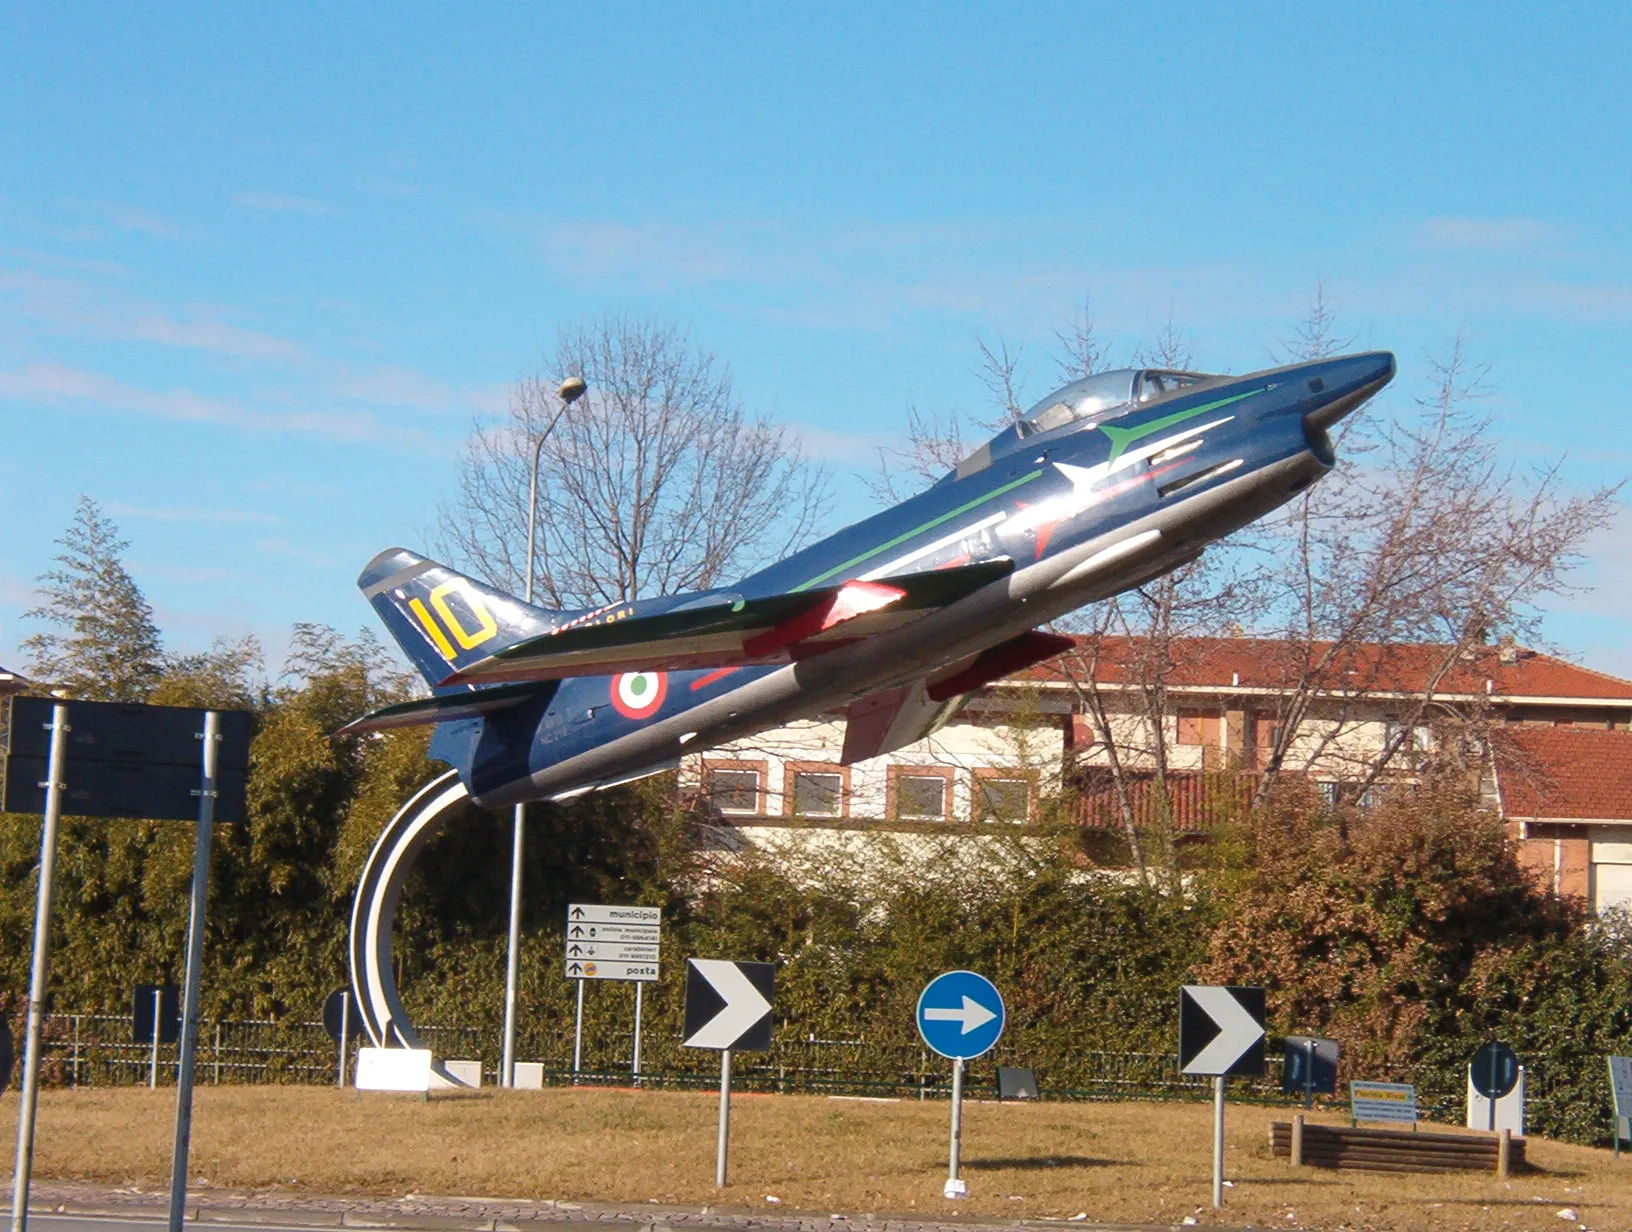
1119 1162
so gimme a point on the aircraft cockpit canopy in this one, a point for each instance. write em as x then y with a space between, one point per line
1104 396
1082 404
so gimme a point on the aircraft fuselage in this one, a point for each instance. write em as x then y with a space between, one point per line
1083 512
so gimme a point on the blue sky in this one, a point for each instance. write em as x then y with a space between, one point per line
259 266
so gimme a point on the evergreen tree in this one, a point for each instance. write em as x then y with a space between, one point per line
101 642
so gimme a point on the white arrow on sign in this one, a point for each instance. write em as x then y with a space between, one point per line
1237 1029
744 1004
972 1015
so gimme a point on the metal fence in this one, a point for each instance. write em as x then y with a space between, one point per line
96 1050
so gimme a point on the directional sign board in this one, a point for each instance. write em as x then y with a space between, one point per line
1221 1031
125 760
612 943
162 1000
1620 1085
1494 1070
1310 1065
960 1014
728 1004
340 1014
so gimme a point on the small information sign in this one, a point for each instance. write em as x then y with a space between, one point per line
1620 1088
606 942
1394 1102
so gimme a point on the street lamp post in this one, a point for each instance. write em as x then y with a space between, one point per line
571 390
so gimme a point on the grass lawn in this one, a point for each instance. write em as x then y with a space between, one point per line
1131 1162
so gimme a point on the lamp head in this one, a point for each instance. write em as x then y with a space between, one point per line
572 389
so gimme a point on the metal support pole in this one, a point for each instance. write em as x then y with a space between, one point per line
195 964
1218 1142
578 1034
29 1104
512 972
158 1020
638 986
345 1037
512 968
1309 1073
215 1077
725 1118
956 1156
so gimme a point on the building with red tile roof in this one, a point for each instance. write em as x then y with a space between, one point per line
1559 751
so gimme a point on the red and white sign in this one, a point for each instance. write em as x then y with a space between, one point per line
638 695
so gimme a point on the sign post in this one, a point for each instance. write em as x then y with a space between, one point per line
29 1103
119 760
337 1007
1221 1035
1620 1089
960 1016
1309 1068
195 961
728 1006
1494 1072
606 942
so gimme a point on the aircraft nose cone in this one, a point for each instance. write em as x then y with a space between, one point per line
1338 387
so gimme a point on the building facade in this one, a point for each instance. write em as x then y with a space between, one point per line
1083 738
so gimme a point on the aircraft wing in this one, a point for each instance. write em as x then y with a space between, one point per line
465 705
726 630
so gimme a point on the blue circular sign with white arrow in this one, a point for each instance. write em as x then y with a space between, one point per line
960 1014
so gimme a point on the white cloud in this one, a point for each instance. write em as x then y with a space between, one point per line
1506 234
283 203
73 308
48 381
190 513
182 573
405 387
294 551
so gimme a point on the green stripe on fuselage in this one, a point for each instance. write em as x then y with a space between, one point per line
1121 438
916 530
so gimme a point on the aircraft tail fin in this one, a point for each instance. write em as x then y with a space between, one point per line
444 620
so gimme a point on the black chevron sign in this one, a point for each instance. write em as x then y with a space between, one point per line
1221 1031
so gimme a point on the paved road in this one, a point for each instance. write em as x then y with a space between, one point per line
66 1207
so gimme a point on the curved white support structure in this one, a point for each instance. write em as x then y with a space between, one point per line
375 908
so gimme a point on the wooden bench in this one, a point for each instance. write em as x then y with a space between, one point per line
1393 1150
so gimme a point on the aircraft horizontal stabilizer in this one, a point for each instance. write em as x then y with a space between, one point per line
465 705
722 629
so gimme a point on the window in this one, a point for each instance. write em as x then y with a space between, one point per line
1000 798
734 787
1153 384
1407 745
1199 727
817 794
1083 399
920 797
733 791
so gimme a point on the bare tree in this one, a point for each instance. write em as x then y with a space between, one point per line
1081 353
657 482
1167 348
1000 372
934 446
1422 539
1317 336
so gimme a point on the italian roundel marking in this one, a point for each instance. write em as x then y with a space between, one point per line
637 695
